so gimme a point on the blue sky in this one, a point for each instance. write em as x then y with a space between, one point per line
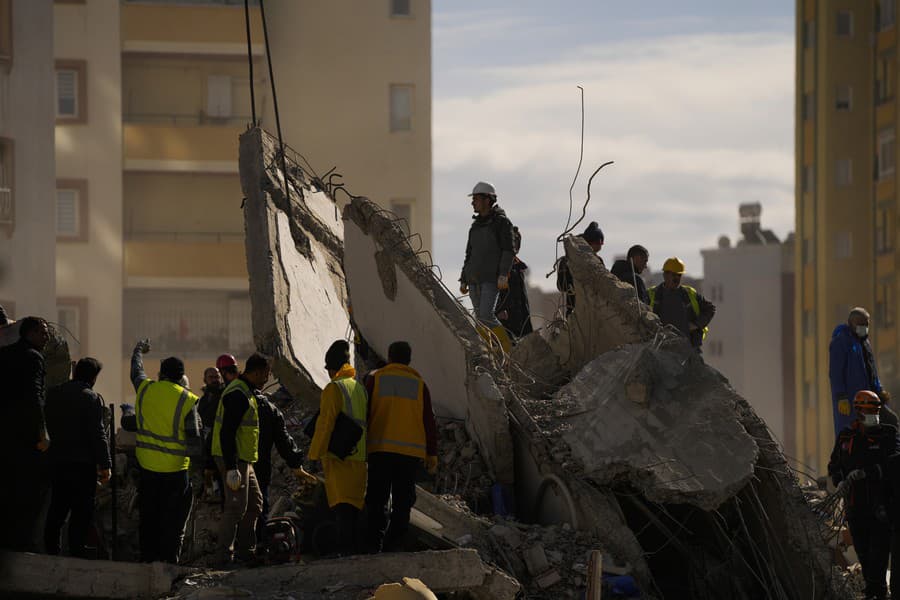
693 100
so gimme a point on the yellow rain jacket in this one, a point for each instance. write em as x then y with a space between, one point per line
345 480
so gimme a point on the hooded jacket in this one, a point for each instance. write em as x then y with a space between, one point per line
489 251
847 371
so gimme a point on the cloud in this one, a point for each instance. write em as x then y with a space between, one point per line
696 124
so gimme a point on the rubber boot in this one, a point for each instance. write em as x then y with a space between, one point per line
500 332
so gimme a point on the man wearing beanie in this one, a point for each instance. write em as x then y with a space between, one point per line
165 419
593 235
345 478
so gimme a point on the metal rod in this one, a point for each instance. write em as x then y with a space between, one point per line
250 60
262 12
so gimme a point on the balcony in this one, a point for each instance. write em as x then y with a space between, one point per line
186 148
185 258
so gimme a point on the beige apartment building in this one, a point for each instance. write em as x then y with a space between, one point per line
147 164
846 197
27 280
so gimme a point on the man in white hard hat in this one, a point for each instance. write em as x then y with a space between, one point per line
489 257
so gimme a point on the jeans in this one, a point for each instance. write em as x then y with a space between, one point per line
484 301
74 488
164 502
391 476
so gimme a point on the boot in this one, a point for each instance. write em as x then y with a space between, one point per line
500 332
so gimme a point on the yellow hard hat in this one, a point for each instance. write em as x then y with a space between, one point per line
674 265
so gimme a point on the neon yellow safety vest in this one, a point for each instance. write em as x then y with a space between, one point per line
160 410
354 407
395 412
247 437
692 297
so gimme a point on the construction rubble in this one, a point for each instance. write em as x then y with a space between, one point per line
602 455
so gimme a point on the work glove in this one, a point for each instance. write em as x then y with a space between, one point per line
143 346
103 475
503 282
301 474
463 289
233 480
431 463
844 406
127 410
855 475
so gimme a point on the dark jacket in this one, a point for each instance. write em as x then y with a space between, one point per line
565 283
674 308
273 432
75 422
22 371
625 272
207 407
489 251
851 368
515 302
875 451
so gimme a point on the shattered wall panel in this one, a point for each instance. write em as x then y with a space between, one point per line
394 296
294 251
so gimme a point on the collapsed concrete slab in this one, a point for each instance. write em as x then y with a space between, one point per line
445 571
294 250
41 576
395 296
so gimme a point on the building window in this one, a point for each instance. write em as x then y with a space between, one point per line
809 34
218 96
403 209
843 244
806 251
71 210
886 153
809 323
809 107
844 24
808 180
884 78
7 188
884 315
843 97
883 243
71 91
886 14
843 171
6 43
401 107
72 318
401 8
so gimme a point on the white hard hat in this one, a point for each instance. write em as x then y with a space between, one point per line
483 187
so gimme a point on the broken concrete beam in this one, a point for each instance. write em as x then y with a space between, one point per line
395 296
294 251
442 571
42 576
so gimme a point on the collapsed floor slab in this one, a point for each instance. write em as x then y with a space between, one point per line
294 244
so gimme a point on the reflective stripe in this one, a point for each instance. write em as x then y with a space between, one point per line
162 438
178 418
397 443
156 448
348 404
398 386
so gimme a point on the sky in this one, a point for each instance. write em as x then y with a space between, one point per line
693 100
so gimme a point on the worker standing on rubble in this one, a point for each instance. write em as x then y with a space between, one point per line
345 478
273 433
213 385
512 304
402 434
681 306
489 257
861 464
168 434
629 270
851 367
79 455
593 235
235 447
24 442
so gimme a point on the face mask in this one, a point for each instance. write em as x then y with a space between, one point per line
870 420
862 331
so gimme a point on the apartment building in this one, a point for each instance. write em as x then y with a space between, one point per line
150 170
751 340
27 271
846 197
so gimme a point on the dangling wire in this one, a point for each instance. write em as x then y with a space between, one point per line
250 62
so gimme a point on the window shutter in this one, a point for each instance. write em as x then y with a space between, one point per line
66 93
67 212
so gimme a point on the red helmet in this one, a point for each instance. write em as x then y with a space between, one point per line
225 360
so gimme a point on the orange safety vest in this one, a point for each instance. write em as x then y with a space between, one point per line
396 410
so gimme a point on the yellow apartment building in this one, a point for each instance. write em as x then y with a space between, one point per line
846 197
152 165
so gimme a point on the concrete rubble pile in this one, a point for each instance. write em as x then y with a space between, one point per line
606 431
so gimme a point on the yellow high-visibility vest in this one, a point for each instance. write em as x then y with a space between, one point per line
247 437
395 412
160 411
